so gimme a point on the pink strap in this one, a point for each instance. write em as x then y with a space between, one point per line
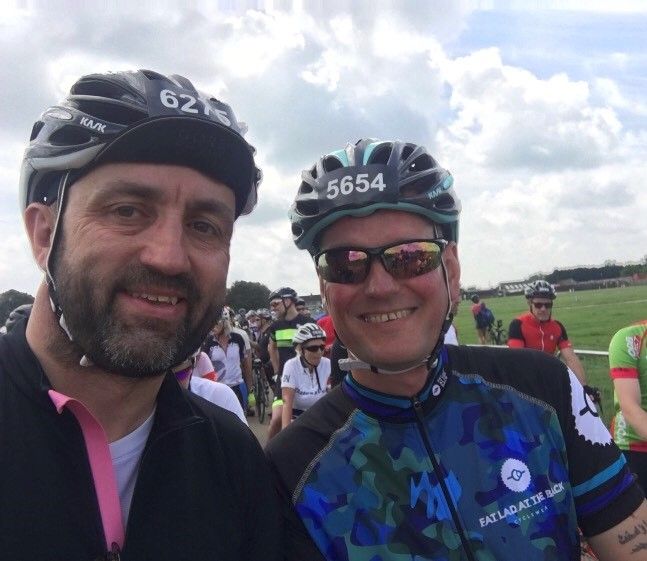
103 473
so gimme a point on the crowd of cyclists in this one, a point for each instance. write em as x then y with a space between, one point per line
387 443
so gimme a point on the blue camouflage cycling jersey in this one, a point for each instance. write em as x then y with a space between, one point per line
481 465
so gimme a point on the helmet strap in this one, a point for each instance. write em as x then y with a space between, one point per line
61 201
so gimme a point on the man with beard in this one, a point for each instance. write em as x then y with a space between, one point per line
130 188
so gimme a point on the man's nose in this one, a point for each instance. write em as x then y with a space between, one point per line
379 282
165 246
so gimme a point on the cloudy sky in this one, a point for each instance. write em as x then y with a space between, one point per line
540 113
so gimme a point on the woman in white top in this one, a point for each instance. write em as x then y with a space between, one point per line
305 377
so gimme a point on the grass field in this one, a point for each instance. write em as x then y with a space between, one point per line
590 317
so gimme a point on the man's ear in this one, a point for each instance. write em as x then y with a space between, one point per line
39 223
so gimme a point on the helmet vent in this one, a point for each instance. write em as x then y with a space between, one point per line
421 163
152 75
308 208
112 112
381 154
331 163
38 125
407 151
445 202
70 136
305 188
98 88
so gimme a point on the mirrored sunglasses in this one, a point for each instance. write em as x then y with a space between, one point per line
315 348
402 260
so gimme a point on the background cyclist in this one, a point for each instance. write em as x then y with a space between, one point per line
305 376
536 329
628 370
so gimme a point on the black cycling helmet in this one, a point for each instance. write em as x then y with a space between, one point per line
475 298
137 116
16 315
368 176
284 292
540 289
133 116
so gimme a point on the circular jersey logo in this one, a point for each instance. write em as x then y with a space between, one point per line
435 390
515 475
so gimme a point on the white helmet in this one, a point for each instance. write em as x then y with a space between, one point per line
308 332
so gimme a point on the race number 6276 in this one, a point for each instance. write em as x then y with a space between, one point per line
189 104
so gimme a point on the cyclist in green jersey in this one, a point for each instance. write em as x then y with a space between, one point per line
628 370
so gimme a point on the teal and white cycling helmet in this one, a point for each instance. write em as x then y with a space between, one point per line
368 176
308 332
540 289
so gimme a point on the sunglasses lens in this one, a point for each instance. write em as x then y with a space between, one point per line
347 266
402 261
412 259
315 348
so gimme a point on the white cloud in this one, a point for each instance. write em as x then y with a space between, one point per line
548 165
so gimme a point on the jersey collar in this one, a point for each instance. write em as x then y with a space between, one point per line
400 408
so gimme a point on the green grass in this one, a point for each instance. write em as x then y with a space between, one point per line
590 317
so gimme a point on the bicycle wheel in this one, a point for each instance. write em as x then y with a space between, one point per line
261 399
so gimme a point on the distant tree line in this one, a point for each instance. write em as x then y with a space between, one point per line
610 270
248 295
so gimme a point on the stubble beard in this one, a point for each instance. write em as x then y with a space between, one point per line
144 349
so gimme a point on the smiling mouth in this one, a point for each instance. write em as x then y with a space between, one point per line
387 316
155 298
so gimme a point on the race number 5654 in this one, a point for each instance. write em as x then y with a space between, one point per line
349 183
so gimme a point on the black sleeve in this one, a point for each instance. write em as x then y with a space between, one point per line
238 339
514 331
563 336
265 534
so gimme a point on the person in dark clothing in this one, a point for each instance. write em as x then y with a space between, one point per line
129 203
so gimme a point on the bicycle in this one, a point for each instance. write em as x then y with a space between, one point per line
261 390
496 333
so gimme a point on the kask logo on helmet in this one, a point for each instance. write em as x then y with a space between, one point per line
446 184
91 124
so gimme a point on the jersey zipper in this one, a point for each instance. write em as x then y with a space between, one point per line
417 407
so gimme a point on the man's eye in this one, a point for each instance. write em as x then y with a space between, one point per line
125 211
204 227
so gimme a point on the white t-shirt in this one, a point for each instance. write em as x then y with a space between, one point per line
450 336
307 389
220 394
126 454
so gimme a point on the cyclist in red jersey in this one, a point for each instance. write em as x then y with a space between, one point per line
537 330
